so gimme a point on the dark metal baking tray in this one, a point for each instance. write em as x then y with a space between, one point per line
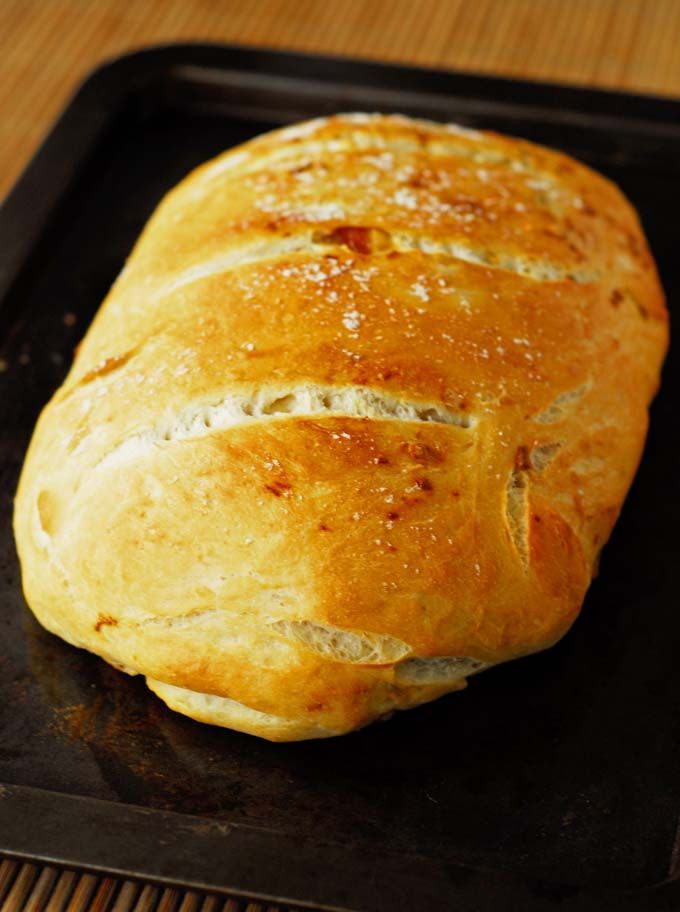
552 783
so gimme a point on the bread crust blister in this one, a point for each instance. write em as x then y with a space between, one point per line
353 424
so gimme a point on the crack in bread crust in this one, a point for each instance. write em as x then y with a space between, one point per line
230 713
309 401
517 513
309 242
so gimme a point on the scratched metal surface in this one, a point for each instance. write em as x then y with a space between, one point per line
562 767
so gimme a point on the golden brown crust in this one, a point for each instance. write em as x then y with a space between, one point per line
369 391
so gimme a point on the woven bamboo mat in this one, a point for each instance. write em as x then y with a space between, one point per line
47 47
31 888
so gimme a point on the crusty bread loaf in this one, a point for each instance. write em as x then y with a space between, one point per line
353 424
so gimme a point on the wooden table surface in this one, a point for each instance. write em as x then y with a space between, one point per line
48 46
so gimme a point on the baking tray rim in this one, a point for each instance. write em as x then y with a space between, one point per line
80 832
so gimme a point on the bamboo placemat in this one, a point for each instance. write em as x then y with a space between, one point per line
31 888
47 47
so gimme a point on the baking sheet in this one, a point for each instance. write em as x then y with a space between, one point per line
556 776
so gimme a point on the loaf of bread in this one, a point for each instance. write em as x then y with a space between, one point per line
352 425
